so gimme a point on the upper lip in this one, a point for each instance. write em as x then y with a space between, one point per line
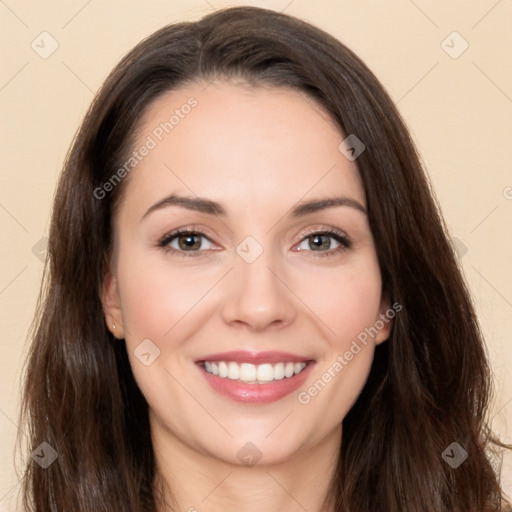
242 356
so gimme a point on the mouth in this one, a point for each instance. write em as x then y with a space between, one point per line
252 377
253 374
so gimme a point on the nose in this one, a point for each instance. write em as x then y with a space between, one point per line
257 295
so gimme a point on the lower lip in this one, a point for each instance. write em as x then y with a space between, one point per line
257 393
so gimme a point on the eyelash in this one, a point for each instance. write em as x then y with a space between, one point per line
339 236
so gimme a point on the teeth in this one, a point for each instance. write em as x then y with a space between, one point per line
223 369
247 372
289 370
233 371
278 371
251 373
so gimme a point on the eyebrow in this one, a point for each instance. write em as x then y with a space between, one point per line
203 205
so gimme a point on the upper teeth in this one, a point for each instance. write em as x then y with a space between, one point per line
247 372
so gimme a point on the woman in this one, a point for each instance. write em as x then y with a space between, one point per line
251 300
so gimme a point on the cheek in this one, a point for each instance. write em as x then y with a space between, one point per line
349 306
156 296
158 303
347 301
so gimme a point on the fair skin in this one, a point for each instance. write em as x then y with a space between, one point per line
258 152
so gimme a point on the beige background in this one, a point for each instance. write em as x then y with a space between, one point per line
458 109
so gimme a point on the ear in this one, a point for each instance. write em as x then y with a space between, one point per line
384 322
112 305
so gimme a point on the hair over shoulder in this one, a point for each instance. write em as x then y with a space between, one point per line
430 383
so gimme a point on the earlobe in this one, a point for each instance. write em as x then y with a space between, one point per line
112 305
384 322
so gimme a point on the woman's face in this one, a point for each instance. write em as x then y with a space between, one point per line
262 274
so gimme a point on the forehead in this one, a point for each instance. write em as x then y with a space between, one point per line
240 145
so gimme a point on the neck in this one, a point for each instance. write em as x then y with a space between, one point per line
197 482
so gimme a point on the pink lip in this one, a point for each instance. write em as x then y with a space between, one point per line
243 356
256 393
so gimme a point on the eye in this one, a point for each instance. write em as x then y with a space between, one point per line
189 242
185 241
321 242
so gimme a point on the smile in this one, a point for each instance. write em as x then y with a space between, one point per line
253 374
255 377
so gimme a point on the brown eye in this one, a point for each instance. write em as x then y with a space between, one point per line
321 242
185 241
189 241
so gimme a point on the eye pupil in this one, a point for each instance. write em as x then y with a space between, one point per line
326 243
189 242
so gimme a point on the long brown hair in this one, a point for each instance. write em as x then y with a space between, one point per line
430 383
